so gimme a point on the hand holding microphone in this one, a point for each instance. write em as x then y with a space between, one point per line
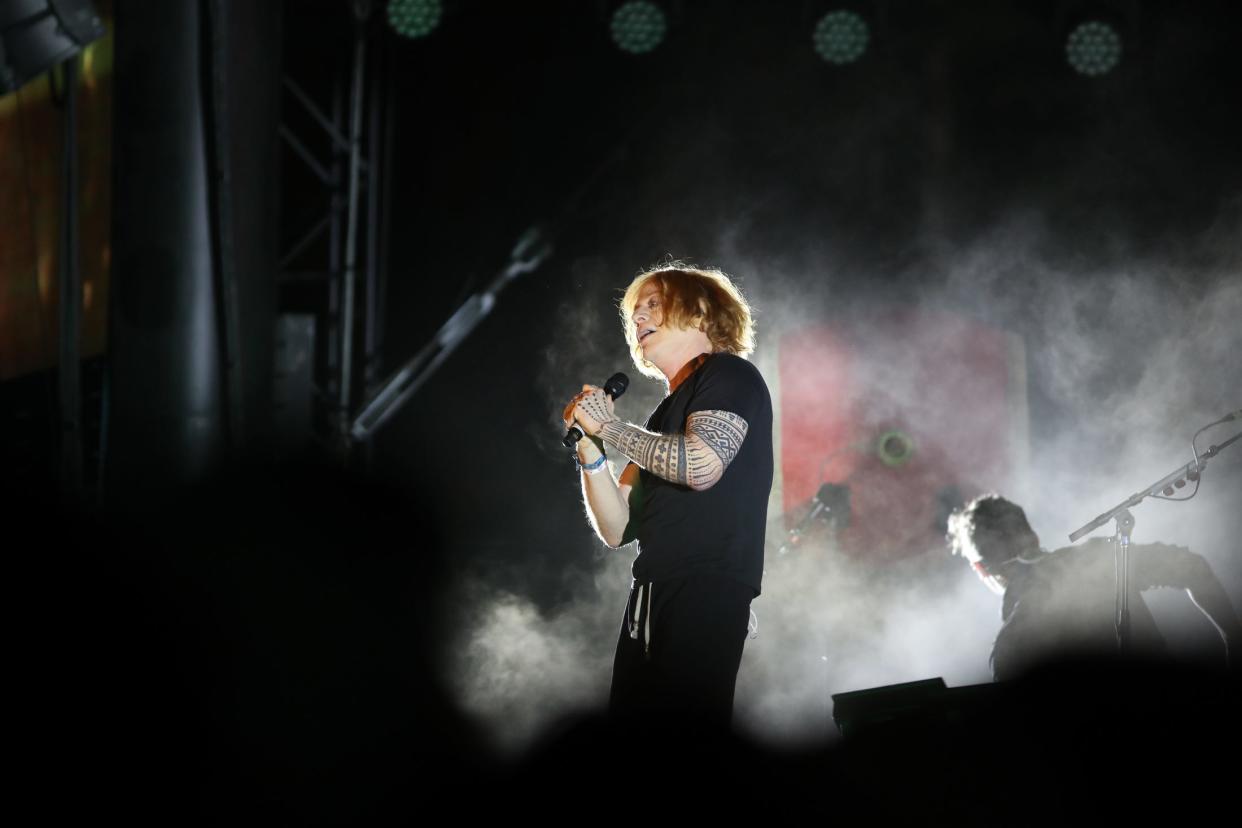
593 403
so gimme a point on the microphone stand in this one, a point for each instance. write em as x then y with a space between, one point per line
1125 524
794 536
1121 552
532 248
529 252
831 497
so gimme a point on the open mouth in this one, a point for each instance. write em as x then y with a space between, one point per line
645 334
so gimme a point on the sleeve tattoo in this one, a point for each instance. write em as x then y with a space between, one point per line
697 459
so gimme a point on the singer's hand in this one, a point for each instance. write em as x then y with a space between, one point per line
592 408
567 416
589 449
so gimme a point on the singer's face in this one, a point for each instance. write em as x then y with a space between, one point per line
654 335
648 315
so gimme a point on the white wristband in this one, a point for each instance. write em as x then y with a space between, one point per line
595 467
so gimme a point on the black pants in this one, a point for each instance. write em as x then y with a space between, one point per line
679 651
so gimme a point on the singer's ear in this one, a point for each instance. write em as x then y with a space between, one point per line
700 318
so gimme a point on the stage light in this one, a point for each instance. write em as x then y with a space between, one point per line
638 26
841 37
894 448
414 18
1093 48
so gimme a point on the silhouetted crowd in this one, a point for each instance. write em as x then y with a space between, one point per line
265 649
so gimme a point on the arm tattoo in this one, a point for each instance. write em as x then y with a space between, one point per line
697 459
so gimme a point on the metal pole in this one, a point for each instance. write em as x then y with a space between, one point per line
384 222
333 321
1125 525
220 191
323 120
375 162
361 10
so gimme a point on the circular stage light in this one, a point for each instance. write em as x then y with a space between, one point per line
1093 48
414 18
894 448
638 26
841 37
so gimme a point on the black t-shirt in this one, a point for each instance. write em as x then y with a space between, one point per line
680 531
1065 604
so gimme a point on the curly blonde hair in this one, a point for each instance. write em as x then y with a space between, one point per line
692 296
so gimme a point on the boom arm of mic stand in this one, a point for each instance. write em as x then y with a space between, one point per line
1193 467
529 252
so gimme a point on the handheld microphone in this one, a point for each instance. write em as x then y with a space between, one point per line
614 388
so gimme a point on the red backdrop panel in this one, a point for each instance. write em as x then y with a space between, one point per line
944 381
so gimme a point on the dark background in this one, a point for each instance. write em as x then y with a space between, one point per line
960 164
736 136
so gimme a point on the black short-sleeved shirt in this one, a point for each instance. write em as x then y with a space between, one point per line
1066 603
680 531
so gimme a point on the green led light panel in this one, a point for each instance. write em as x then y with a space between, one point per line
1093 48
414 18
638 26
841 37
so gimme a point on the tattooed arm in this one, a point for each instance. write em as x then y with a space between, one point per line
697 459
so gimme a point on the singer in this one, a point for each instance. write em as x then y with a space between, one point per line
694 496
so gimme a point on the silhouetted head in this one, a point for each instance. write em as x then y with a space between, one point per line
993 535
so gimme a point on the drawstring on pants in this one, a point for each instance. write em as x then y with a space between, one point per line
639 617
